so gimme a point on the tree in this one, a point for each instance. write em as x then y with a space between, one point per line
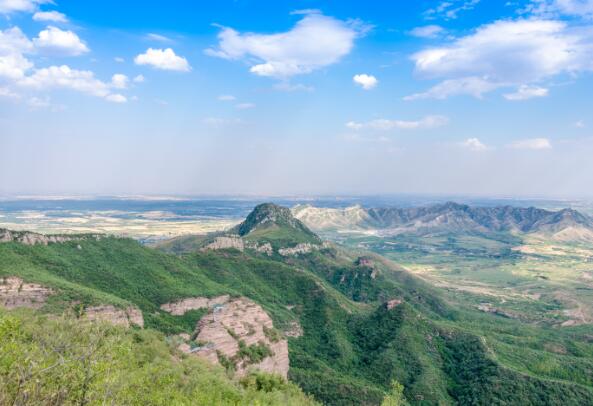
395 396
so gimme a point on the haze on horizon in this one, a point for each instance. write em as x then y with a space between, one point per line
461 97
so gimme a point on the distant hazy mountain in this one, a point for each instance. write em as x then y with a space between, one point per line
449 217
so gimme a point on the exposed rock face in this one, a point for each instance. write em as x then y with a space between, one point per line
180 307
299 249
241 322
111 314
226 242
393 303
14 292
265 248
29 238
236 242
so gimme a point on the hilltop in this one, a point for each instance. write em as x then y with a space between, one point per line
269 228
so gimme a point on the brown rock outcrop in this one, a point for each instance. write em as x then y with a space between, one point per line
120 317
180 307
226 242
241 322
14 292
29 238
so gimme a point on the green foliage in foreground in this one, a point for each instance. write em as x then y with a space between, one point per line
61 361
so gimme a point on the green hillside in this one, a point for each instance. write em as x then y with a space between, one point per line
60 361
367 323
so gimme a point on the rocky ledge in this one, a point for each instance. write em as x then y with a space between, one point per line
240 335
14 292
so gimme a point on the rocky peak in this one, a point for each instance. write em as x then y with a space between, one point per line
272 216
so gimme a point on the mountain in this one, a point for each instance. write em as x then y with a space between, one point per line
449 217
352 322
268 228
275 224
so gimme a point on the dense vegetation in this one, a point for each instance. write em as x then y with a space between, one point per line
61 361
354 346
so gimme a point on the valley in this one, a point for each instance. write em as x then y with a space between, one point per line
455 317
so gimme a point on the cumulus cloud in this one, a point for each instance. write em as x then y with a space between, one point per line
474 144
316 41
13 45
116 98
14 6
54 41
164 59
119 81
427 122
367 82
532 143
525 92
138 79
427 31
504 54
52 16
64 77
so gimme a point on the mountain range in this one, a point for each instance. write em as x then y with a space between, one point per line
347 326
450 217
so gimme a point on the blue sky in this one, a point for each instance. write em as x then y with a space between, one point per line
301 97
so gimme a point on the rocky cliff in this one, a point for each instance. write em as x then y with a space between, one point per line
14 292
241 335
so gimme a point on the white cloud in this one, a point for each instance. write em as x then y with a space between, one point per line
449 9
119 59
285 86
13 44
472 86
503 54
532 143
64 77
226 97
218 122
525 92
13 6
39 103
116 98
53 16
158 37
579 124
55 41
427 122
245 106
316 41
367 82
6 92
474 144
119 81
139 79
14 68
427 31
164 59
553 8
